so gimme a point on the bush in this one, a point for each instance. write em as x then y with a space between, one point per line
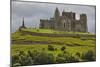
50 47
21 53
66 57
43 49
60 58
22 59
72 59
78 54
44 58
33 54
15 59
51 58
63 48
56 49
37 30
88 56
32 58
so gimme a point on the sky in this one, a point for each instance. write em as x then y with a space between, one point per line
34 11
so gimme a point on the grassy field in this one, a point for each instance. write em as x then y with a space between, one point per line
77 48
71 49
81 41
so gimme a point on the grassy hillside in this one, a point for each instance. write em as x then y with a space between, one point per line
62 49
19 37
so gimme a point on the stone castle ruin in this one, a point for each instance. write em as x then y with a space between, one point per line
66 22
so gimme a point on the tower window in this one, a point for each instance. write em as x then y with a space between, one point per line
64 25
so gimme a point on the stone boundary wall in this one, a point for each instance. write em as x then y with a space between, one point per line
56 35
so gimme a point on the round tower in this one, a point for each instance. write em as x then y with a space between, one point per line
83 20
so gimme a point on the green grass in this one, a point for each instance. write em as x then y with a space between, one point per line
72 44
64 40
71 49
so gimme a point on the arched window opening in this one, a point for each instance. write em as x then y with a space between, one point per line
64 25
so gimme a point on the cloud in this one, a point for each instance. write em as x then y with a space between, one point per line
33 12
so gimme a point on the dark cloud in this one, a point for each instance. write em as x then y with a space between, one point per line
33 12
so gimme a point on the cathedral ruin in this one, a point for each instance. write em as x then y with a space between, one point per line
66 22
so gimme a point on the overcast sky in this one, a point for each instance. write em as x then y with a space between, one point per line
33 12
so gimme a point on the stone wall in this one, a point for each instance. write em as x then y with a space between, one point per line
57 35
